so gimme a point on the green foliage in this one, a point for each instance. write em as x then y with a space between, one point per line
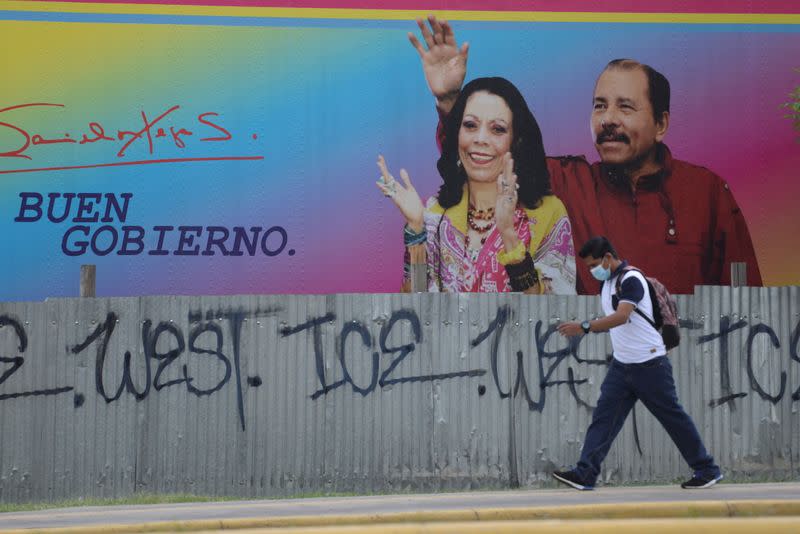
138 498
793 107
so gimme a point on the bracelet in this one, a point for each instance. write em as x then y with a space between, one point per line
526 281
410 237
515 255
522 275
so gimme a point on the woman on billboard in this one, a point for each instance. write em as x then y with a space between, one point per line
494 225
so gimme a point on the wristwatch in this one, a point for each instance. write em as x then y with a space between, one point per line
586 327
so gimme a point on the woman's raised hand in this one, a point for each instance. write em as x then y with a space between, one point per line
403 195
506 198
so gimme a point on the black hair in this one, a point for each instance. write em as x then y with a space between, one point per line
597 247
527 147
657 85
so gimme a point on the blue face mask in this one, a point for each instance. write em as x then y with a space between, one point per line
600 272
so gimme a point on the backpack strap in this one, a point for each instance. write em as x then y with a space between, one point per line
636 309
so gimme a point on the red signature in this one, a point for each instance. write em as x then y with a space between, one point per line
95 133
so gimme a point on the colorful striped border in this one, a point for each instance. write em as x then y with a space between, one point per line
261 10
590 6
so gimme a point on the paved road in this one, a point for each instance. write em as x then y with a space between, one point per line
96 516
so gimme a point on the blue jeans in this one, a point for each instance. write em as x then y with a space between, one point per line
652 383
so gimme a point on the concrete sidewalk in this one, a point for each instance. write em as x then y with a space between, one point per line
780 501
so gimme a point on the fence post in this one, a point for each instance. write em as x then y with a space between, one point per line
738 274
88 275
419 268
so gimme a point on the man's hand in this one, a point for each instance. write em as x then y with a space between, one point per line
443 62
570 329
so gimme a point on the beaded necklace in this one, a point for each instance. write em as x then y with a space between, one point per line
481 221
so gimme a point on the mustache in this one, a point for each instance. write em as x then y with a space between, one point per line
609 134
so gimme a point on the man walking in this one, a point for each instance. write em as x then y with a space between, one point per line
639 370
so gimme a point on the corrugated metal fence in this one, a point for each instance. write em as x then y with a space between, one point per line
279 395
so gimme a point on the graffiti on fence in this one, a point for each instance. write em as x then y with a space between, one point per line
208 357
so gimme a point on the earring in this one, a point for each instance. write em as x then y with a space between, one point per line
458 163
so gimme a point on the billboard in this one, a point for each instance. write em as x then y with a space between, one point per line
224 148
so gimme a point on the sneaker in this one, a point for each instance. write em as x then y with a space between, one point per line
571 478
701 481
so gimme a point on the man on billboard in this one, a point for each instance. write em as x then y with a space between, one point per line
679 222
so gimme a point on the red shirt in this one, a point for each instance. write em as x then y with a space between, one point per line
680 225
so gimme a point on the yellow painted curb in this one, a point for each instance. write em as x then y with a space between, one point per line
783 525
539 515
